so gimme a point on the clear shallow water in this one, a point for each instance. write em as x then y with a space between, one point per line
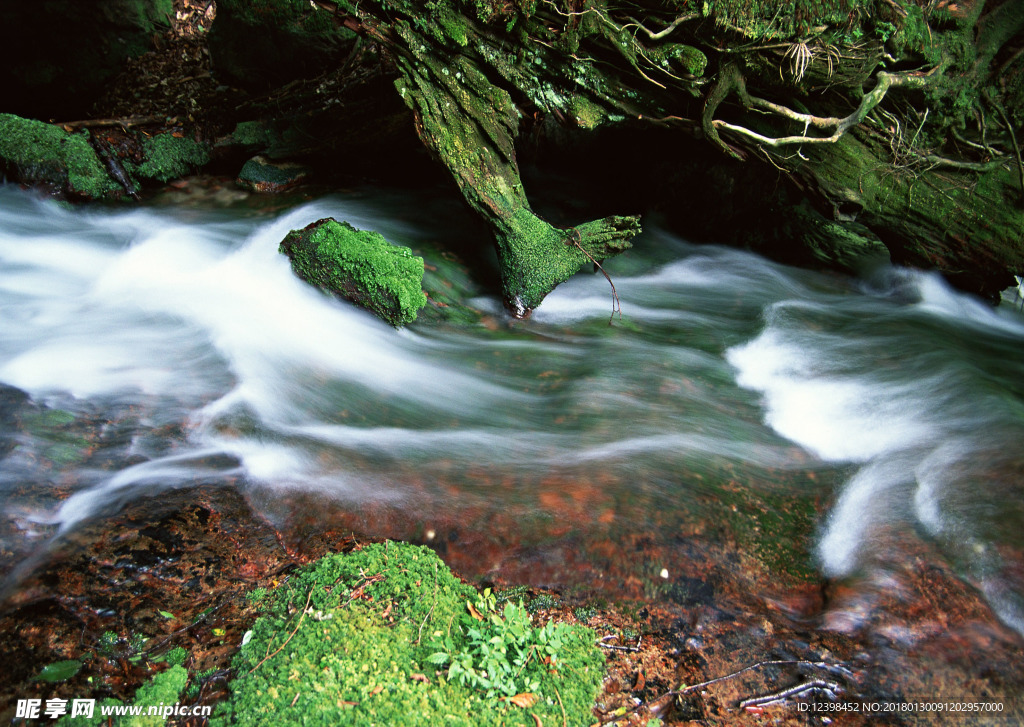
182 336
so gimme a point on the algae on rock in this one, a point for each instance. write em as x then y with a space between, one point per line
360 266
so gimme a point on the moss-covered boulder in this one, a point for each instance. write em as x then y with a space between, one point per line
359 266
388 635
34 152
169 155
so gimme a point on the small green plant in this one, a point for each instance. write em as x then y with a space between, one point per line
176 656
543 602
584 613
500 649
108 643
513 594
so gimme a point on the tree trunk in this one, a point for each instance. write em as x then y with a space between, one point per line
903 115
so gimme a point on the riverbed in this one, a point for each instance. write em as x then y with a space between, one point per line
798 433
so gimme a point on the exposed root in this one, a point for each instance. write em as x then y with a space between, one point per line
665 31
840 126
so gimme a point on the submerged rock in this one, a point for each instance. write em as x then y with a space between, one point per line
359 266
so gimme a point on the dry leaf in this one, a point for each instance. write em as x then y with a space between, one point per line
419 678
377 690
524 700
537 720
473 612
641 681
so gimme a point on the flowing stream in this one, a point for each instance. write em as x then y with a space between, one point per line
164 346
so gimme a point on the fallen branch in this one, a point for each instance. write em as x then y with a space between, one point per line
603 645
126 122
783 694
709 682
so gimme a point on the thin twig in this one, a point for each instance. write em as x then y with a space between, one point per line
665 31
294 631
565 722
419 634
870 100
616 303
784 694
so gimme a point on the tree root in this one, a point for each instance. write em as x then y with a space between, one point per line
840 126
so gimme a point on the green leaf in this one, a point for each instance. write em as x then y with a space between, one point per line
166 614
58 671
438 658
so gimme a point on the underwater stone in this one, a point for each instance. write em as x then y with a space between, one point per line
359 266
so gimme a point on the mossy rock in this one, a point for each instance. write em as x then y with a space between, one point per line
36 153
261 175
348 641
169 155
359 266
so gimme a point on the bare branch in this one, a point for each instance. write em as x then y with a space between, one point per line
665 31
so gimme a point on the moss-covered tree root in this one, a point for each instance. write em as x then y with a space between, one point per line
471 124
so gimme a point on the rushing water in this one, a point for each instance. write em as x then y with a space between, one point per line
184 339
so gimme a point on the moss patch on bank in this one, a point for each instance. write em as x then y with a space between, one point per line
360 266
387 635
169 155
35 152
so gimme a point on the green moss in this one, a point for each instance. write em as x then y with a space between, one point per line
168 156
357 632
56 427
258 133
690 59
360 266
786 19
162 690
176 656
41 153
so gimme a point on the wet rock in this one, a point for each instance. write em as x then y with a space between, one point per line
264 176
359 266
11 401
